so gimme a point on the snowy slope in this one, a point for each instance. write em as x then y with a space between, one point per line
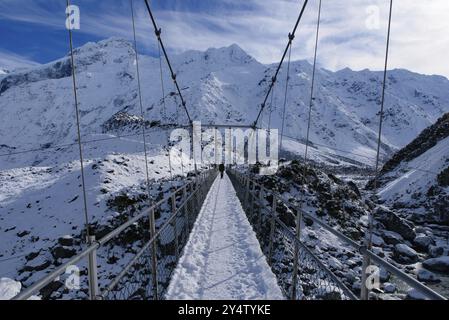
417 175
223 259
416 178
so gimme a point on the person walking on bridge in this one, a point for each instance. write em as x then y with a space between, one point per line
221 168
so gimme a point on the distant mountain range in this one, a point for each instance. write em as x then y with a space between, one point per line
223 85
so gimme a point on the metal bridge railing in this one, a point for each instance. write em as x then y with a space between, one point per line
313 278
143 251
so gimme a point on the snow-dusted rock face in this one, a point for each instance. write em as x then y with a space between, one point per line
223 85
416 178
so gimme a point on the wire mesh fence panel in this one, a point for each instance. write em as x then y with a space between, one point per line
137 283
315 282
263 232
282 257
166 257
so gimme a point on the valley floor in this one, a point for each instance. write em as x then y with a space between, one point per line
223 259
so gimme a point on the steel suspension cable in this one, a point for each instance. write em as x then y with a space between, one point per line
303 194
158 32
169 156
312 89
291 36
285 94
271 108
384 84
366 261
142 114
180 154
78 127
164 108
162 80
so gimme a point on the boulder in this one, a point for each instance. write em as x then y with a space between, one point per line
66 241
334 264
436 251
402 253
427 276
354 188
414 294
395 223
389 287
23 233
384 275
32 255
391 237
377 241
38 264
422 242
440 264
61 252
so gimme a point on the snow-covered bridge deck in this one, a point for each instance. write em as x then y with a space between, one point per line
223 259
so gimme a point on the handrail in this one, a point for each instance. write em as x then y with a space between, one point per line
37 286
27 293
362 249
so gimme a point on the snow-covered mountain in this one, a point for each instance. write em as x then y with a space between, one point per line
416 179
223 85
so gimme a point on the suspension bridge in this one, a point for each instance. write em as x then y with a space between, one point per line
224 238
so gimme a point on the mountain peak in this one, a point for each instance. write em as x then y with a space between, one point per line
233 53
110 45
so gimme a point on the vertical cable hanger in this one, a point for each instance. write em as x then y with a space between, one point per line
164 113
366 261
78 127
312 89
164 107
285 94
180 154
142 114
303 194
271 109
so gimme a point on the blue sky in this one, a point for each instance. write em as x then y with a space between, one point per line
353 31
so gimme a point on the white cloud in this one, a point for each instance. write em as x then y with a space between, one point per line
419 29
11 61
